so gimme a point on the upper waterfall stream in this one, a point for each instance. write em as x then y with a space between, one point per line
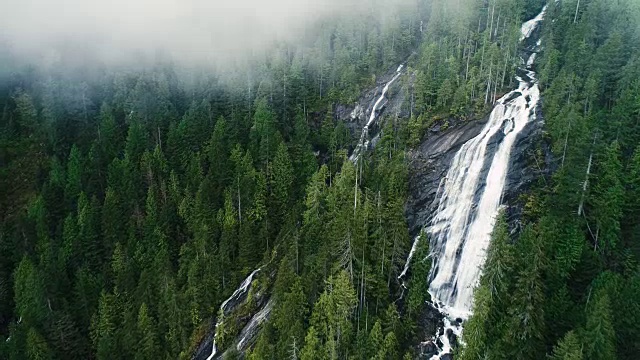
470 198
363 142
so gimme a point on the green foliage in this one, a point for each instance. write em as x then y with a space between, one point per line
128 223
37 348
29 290
312 349
147 346
573 270
332 315
608 198
419 286
281 180
491 300
569 348
599 333
125 225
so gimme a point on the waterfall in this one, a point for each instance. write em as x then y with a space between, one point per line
470 199
253 324
363 143
239 292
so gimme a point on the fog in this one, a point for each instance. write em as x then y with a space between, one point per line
190 31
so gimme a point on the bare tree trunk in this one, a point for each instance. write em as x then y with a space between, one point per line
488 16
393 257
486 96
473 91
384 243
361 289
413 100
575 18
586 181
355 191
586 106
294 350
466 71
495 89
482 57
393 41
239 203
304 110
493 11
504 72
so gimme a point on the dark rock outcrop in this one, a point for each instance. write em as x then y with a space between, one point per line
525 168
203 350
428 165
355 116
430 323
247 308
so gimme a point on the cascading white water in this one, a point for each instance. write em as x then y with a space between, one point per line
471 196
237 293
242 289
255 321
364 136
460 232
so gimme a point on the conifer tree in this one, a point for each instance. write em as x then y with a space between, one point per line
281 181
599 334
569 348
147 346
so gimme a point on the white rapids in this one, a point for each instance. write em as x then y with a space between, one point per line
239 291
529 26
363 143
471 196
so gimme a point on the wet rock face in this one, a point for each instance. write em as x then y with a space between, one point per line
525 168
428 349
204 349
430 322
355 116
429 164
248 308
453 338
249 333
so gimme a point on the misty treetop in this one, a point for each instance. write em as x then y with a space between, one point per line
135 199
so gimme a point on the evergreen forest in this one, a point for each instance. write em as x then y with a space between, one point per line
134 202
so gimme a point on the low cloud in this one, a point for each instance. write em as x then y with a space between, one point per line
120 31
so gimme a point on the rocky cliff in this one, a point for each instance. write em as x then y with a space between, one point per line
527 162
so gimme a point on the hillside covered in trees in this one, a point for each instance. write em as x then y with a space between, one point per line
134 202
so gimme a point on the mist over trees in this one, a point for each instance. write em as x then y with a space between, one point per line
136 196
